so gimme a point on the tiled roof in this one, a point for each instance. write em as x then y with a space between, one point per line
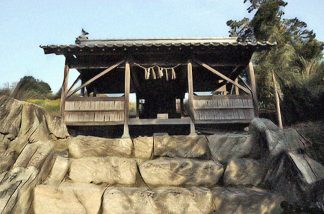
127 43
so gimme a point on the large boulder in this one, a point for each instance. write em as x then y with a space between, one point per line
143 147
244 172
180 172
294 175
180 146
68 198
245 200
157 201
28 123
224 147
276 140
111 170
88 146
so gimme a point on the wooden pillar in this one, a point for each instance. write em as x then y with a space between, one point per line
237 91
190 98
253 88
64 88
277 101
137 107
82 92
126 101
181 107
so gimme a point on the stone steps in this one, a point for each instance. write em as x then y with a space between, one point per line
90 198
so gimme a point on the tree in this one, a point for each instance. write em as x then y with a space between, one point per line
28 87
295 59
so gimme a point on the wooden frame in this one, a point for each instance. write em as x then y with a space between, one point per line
222 76
95 78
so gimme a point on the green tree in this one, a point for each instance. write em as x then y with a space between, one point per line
28 88
295 59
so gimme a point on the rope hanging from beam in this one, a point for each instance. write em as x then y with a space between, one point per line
158 72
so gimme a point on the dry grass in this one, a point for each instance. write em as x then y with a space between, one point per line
51 106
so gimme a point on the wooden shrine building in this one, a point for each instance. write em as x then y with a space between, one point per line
205 72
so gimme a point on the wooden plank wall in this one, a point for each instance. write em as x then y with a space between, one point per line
92 110
223 108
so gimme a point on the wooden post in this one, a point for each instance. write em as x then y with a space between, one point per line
126 101
253 88
137 107
277 101
190 98
64 88
237 91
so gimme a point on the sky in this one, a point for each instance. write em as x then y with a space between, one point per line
24 25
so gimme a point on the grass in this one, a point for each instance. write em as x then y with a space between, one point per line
51 106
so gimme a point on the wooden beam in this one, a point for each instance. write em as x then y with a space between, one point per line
75 81
95 77
190 98
237 91
126 102
64 88
277 101
82 66
222 76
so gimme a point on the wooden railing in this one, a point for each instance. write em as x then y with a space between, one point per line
223 109
94 110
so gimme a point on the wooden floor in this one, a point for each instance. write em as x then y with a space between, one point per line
171 121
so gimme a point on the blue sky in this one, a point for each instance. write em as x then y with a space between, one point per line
27 24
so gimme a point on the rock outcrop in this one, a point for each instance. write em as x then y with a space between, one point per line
44 170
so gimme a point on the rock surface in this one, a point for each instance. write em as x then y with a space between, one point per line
111 170
86 146
143 147
58 172
244 172
36 149
68 198
224 147
180 146
277 140
157 201
245 200
180 172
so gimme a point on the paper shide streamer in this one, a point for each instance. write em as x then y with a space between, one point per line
158 72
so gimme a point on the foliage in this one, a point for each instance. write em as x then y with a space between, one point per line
296 59
28 88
